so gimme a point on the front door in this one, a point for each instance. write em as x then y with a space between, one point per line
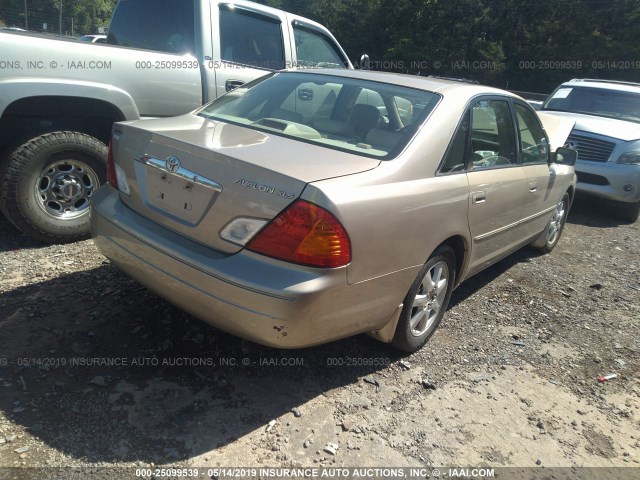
543 188
497 183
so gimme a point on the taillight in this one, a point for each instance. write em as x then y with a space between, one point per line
112 178
306 234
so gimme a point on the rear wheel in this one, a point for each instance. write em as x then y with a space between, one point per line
426 301
48 182
548 239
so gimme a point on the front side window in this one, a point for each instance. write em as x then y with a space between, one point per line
170 29
316 50
251 39
492 135
533 141
357 116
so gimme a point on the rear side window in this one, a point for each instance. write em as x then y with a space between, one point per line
455 159
251 39
315 50
170 28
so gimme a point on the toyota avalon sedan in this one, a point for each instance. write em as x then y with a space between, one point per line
309 206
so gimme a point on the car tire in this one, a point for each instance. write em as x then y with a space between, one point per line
550 236
427 300
47 184
628 211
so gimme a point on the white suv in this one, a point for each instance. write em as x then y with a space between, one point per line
607 137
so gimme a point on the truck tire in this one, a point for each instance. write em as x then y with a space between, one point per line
47 184
629 211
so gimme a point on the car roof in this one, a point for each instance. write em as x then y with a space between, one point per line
440 85
601 83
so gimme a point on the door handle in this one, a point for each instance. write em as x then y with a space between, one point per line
533 187
232 84
479 197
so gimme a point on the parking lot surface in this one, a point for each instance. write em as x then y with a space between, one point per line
97 371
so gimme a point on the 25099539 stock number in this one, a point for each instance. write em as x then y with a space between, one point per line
550 65
357 361
167 472
167 65
158 473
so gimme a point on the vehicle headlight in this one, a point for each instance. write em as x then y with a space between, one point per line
630 158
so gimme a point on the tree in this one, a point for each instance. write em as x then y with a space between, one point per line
521 44
85 15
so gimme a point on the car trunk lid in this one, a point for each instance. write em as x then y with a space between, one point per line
194 175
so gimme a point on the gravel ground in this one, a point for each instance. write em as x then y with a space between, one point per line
97 371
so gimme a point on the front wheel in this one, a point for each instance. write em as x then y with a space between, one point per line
48 182
628 211
426 301
548 239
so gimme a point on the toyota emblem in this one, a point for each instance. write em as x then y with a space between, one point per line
173 164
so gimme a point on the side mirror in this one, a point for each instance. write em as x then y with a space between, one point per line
565 156
365 63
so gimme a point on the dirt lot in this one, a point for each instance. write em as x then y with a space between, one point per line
97 371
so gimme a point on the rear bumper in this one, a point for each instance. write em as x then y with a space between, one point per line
607 180
264 300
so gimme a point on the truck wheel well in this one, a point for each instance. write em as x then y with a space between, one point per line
29 117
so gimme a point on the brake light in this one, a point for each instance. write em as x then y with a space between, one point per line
112 178
306 234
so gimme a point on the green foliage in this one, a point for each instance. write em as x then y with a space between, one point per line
79 17
530 45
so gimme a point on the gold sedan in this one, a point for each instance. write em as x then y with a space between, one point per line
309 206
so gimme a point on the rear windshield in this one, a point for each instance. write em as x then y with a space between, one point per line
596 101
170 27
367 118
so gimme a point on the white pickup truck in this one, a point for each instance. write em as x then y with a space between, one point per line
59 98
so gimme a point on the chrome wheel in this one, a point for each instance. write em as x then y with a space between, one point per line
429 300
556 223
64 189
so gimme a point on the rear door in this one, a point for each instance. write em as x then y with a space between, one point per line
497 182
315 48
157 65
250 44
